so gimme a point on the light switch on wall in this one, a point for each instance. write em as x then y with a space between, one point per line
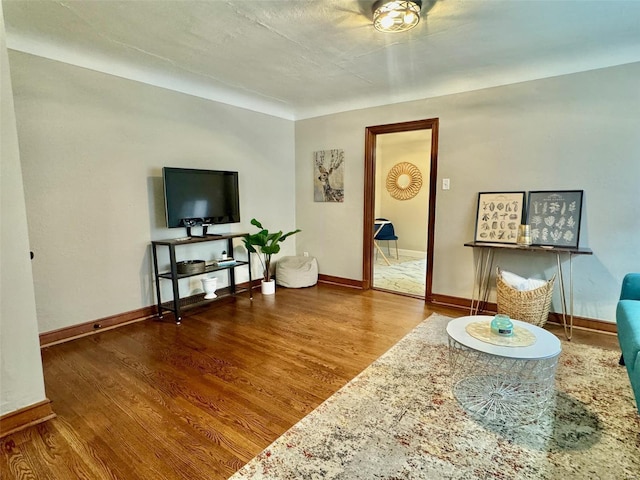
445 184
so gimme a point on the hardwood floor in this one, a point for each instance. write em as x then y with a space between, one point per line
154 400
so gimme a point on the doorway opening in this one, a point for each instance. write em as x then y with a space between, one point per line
400 189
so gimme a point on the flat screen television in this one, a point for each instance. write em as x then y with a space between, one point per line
200 197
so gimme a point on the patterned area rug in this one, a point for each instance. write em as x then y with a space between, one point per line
399 420
406 274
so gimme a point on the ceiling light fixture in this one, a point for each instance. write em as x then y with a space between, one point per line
396 15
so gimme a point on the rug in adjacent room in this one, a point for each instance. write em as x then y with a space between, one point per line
405 274
399 420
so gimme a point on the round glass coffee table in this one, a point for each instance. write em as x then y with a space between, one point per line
503 384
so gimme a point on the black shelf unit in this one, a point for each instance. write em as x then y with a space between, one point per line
173 275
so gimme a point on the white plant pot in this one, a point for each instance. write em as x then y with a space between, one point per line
268 288
209 286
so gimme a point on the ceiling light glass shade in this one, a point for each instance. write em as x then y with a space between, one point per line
396 15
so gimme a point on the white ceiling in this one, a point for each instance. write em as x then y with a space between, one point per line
302 58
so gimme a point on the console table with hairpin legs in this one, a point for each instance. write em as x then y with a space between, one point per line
484 268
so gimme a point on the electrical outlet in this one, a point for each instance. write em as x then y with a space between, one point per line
446 184
306 254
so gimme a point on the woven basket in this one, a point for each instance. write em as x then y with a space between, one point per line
530 306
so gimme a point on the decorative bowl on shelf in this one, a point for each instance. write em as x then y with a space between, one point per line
190 266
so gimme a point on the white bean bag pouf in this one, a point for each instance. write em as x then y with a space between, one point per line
297 272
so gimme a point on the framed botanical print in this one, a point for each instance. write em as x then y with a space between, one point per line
498 217
555 217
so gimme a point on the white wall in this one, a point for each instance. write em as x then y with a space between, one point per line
21 379
576 131
93 147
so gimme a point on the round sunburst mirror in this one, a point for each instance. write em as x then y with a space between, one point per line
404 181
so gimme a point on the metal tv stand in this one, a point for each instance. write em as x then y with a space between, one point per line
173 275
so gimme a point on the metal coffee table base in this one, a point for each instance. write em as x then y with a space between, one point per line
502 390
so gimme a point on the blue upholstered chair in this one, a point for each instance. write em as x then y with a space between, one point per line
628 321
387 232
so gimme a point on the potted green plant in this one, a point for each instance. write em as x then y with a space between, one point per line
265 244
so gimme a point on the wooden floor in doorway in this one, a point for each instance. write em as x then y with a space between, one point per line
154 400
